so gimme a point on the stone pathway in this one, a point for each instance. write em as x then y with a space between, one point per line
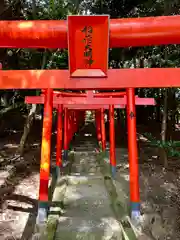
88 214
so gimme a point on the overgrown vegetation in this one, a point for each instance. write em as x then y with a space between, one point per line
169 146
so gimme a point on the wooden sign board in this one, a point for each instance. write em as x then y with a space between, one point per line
88 45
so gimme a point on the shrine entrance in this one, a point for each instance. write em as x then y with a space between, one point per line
88 39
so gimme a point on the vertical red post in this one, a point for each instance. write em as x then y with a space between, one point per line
45 156
98 125
82 118
59 139
69 126
133 155
66 137
103 130
73 124
76 120
112 140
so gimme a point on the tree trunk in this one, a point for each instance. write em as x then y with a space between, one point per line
34 9
158 109
121 122
140 110
30 117
163 153
164 117
165 112
27 128
172 109
2 7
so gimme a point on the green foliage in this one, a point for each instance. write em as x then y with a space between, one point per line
171 147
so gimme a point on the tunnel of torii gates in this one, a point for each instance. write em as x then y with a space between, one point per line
88 39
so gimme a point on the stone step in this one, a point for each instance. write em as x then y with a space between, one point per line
82 150
84 144
78 228
88 214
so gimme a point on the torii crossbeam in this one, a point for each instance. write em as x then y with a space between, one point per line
85 101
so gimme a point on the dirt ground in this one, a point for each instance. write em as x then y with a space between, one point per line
159 193
160 198
19 181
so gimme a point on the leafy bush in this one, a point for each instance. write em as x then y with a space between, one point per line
169 146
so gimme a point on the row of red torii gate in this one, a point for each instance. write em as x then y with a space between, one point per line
88 39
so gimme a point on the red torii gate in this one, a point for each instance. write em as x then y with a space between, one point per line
91 101
88 52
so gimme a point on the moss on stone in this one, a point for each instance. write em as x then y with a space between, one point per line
118 203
